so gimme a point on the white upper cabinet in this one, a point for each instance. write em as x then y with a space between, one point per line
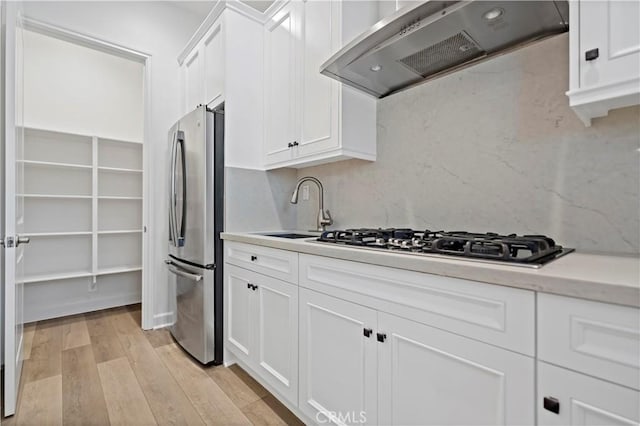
310 118
605 56
192 78
213 59
281 89
223 63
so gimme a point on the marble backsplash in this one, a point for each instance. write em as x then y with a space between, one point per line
494 147
259 201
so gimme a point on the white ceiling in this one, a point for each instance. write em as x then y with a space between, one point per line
203 7
200 8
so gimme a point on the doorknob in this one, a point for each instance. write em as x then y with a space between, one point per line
22 240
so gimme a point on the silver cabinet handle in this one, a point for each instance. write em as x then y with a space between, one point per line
22 240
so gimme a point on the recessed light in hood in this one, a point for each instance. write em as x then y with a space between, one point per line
421 42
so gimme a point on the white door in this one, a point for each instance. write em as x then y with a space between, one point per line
277 334
338 361
612 27
281 84
569 398
239 327
14 244
431 377
320 103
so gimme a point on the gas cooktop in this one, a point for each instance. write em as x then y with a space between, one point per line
531 251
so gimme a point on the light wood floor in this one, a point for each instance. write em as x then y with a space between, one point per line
102 368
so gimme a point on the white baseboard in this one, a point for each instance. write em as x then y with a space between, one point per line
162 320
40 312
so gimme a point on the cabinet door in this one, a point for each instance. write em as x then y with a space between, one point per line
213 57
320 106
583 400
193 82
338 363
239 322
612 27
277 335
431 377
281 83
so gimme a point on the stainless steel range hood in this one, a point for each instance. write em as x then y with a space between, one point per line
422 41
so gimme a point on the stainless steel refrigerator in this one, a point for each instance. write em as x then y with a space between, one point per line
196 172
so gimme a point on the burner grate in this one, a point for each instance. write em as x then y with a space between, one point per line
526 249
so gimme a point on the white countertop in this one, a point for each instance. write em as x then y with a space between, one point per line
603 278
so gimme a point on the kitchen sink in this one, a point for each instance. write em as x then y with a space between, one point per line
290 235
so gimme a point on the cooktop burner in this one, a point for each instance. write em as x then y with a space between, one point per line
526 250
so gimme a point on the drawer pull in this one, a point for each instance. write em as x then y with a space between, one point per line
381 337
367 332
254 258
551 404
592 54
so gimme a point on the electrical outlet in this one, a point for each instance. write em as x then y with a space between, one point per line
93 285
305 193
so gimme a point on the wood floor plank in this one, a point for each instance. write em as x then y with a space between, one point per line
41 402
211 402
74 332
260 413
159 337
238 385
104 339
283 412
82 402
27 339
167 401
46 352
126 403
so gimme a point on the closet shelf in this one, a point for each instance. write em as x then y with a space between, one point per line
56 234
120 231
118 170
118 270
111 197
54 164
54 196
55 277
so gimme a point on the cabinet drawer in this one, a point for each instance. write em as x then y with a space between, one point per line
280 264
493 314
584 400
599 339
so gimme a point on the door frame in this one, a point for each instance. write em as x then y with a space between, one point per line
147 165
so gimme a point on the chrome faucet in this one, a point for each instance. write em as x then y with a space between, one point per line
324 217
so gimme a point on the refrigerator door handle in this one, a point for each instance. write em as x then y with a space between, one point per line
172 185
180 225
180 272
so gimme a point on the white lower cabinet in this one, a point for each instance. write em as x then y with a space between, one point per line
262 327
404 372
383 346
569 398
431 377
338 362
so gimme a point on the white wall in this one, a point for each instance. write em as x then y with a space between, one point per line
77 89
158 29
